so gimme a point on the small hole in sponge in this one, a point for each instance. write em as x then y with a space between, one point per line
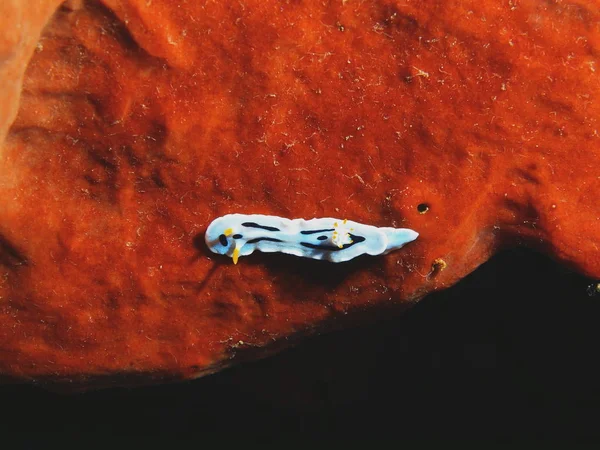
438 265
422 208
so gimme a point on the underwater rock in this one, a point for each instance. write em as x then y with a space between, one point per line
140 122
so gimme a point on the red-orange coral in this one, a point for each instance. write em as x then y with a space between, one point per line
141 121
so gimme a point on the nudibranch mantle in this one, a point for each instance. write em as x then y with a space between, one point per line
325 238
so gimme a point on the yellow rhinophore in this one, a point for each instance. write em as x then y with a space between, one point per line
236 255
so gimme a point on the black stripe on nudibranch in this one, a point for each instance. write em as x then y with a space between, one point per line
237 236
334 248
223 240
254 241
322 238
317 231
262 227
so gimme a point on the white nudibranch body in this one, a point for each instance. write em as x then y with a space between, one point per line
327 239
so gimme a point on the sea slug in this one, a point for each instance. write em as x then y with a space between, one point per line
326 238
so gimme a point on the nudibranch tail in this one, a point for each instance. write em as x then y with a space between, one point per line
398 237
327 238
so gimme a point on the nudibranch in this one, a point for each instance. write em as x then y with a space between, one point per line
326 238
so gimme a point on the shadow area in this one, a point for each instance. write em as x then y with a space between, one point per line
305 271
292 271
10 256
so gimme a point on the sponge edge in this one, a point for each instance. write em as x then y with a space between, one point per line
328 238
